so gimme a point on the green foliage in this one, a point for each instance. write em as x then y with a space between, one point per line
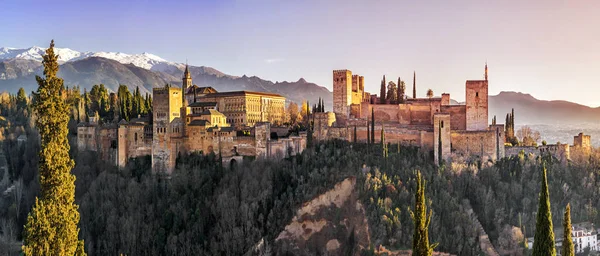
51 227
125 102
543 241
420 244
568 249
21 99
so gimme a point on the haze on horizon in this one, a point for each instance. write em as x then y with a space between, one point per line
546 48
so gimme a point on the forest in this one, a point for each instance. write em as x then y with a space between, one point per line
205 208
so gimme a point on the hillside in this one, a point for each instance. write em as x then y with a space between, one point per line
529 110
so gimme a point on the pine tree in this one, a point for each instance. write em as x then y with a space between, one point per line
568 249
543 241
421 220
382 91
51 227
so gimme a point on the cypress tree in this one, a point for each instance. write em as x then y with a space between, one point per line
355 134
384 147
568 249
382 91
440 158
372 126
543 241
421 220
368 134
51 227
400 92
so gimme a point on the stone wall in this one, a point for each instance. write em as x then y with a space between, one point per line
475 143
458 114
562 152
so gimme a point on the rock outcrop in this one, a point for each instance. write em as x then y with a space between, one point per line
333 223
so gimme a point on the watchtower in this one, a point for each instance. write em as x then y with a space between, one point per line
477 105
342 92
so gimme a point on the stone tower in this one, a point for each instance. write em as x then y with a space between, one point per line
477 105
187 83
342 92
166 106
441 130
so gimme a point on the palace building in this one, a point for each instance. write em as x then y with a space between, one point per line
231 124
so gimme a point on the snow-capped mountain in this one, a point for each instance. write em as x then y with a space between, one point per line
144 60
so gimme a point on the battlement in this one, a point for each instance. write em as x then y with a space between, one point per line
341 72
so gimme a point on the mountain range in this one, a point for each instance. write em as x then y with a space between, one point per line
18 68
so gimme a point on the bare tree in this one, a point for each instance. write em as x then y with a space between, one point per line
528 136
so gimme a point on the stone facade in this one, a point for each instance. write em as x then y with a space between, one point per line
243 107
179 127
465 131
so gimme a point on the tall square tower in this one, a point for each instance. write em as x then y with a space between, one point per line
166 108
477 105
342 92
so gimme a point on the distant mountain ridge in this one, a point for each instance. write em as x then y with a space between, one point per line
18 68
529 110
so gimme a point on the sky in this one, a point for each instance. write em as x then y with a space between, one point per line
547 48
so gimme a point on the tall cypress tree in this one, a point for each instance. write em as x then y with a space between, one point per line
382 91
372 126
51 227
440 158
421 220
568 249
384 147
355 134
543 241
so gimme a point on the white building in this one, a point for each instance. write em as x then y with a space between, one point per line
583 234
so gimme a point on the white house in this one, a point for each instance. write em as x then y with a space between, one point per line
583 234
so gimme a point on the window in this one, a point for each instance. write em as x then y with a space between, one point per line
477 94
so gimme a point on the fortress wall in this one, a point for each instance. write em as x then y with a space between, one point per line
356 110
420 114
561 151
457 116
108 145
477 143
385 112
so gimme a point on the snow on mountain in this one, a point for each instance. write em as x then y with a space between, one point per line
35 53
144 60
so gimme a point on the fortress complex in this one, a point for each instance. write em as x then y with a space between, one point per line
231 124
461 130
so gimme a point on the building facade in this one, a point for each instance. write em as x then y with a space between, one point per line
199 123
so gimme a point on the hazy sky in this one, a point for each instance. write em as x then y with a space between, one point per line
549 48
